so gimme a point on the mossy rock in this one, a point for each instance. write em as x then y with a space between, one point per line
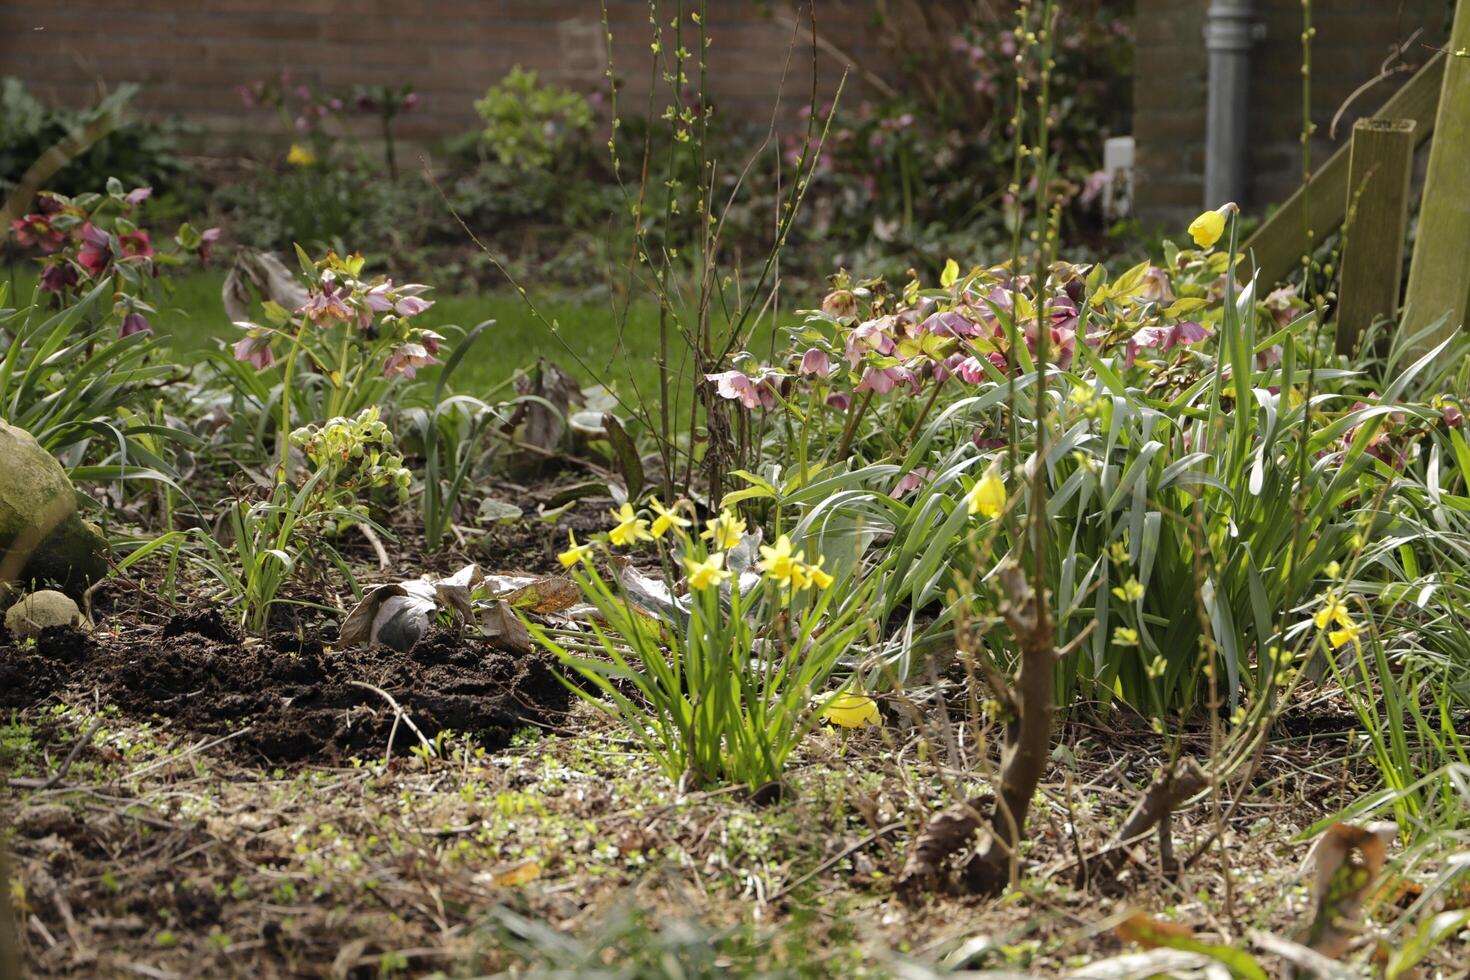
40 529
40 611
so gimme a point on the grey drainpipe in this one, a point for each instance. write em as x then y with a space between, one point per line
1230 30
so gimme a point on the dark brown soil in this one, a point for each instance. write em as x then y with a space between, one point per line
296 698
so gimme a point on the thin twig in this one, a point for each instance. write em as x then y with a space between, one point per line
76 750
836 859
402 716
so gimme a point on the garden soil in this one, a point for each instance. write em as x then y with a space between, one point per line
287 701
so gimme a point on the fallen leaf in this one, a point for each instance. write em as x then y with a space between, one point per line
500 624
1347 860
519 875
545 595
1156 933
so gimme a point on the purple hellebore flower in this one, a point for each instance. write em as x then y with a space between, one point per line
816 363
840 400
207 239
406 359
134 322
58 276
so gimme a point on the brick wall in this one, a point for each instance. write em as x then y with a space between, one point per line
1353 39
191 53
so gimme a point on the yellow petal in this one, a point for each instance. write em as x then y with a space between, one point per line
1207 228
852 711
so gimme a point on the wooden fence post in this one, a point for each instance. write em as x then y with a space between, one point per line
1275 250
1381 162
1439 274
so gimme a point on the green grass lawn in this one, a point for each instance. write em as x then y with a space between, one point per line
591 345
597 343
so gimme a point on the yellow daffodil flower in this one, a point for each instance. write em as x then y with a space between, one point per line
1334 612
1340 638
816 576
1129 591
987 496
630 528
1207 228
300 156
575 553
666 519
780 564
703 574
725 531
852 711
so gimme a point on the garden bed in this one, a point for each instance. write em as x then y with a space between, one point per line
288 699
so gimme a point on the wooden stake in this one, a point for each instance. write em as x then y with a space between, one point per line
1381 163
1439 276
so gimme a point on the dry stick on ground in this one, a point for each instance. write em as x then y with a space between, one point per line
1028 743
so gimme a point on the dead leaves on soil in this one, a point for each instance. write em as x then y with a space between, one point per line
398 614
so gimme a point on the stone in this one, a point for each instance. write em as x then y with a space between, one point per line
42 537
39 611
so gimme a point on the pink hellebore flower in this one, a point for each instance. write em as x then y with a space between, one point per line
910 482
1156 287
37 230
207 239
1281 304
430 340
950 325
1093 187
839 400
377 298
327 304
96 250
134 322
738 386
868 336
815 363
881 381
135 244
138 195
255 349
1165 338
406 359
411 306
